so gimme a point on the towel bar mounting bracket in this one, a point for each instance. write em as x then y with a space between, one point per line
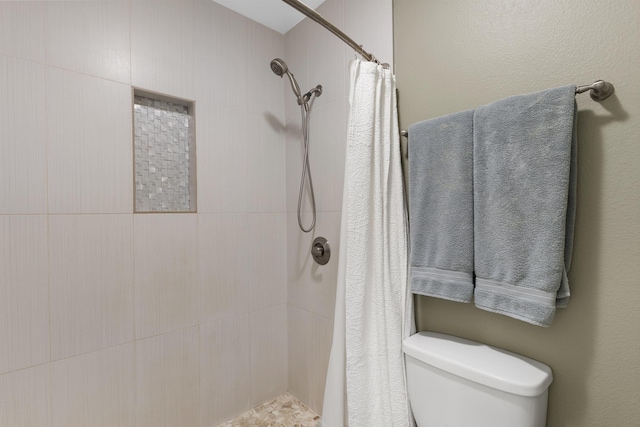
600 90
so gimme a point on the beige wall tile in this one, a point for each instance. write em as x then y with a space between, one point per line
223 185
23 167
299 280
165 260
24 398
224 265
95 389
162 40
299 339
167 379
86 131
89 144
22 29
265 163
210 86
222 71
24 292
91 282
269 370
263 45
321 332
90 37
266 256
309 348
225 379
328 136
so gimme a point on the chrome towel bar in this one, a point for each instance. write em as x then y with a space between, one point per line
600 90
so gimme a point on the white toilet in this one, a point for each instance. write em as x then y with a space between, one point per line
454 382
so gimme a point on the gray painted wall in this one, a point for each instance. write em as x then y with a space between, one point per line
455 55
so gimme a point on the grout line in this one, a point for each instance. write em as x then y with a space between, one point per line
181 328
88 75
19 58
25 368
87 353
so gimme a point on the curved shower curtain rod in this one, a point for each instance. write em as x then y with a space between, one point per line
599 90
312 14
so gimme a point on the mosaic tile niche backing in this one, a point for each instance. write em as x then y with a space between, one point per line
163 172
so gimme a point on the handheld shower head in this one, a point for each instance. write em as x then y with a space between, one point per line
279 67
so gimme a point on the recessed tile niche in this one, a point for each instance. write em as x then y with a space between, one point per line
164 153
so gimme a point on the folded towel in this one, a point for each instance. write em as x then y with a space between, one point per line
524 183
441 206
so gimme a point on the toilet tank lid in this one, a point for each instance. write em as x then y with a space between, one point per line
483 364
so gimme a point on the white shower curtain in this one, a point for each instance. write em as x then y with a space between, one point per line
373 306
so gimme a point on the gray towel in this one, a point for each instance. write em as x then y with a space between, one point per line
524 203
441 207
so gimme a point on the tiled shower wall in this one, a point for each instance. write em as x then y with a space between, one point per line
316 56
113 319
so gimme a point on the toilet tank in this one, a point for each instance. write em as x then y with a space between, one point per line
454 382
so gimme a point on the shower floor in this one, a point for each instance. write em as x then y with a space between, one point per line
283 411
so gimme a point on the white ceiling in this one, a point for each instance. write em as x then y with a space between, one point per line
274 14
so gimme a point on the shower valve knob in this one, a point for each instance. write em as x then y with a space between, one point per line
320 250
